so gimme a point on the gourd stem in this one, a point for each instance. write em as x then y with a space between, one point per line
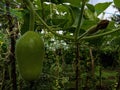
32 20
32 14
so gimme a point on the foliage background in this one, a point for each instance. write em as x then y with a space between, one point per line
59 64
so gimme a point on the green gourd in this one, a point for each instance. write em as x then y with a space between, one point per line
29 52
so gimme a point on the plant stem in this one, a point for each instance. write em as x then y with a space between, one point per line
101 25
80 20
77 66
100 76
13 67
92 67
87 32
12 47
99 35
32 20
118 86
77 45
92 61
43 9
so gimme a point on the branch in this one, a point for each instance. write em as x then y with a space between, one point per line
101 25
99 35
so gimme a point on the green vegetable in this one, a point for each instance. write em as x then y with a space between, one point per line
30 54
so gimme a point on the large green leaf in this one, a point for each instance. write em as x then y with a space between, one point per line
117 3
100 7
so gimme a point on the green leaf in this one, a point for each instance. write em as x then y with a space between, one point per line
117 3
100 7
90 7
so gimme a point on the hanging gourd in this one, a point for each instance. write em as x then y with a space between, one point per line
29 51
